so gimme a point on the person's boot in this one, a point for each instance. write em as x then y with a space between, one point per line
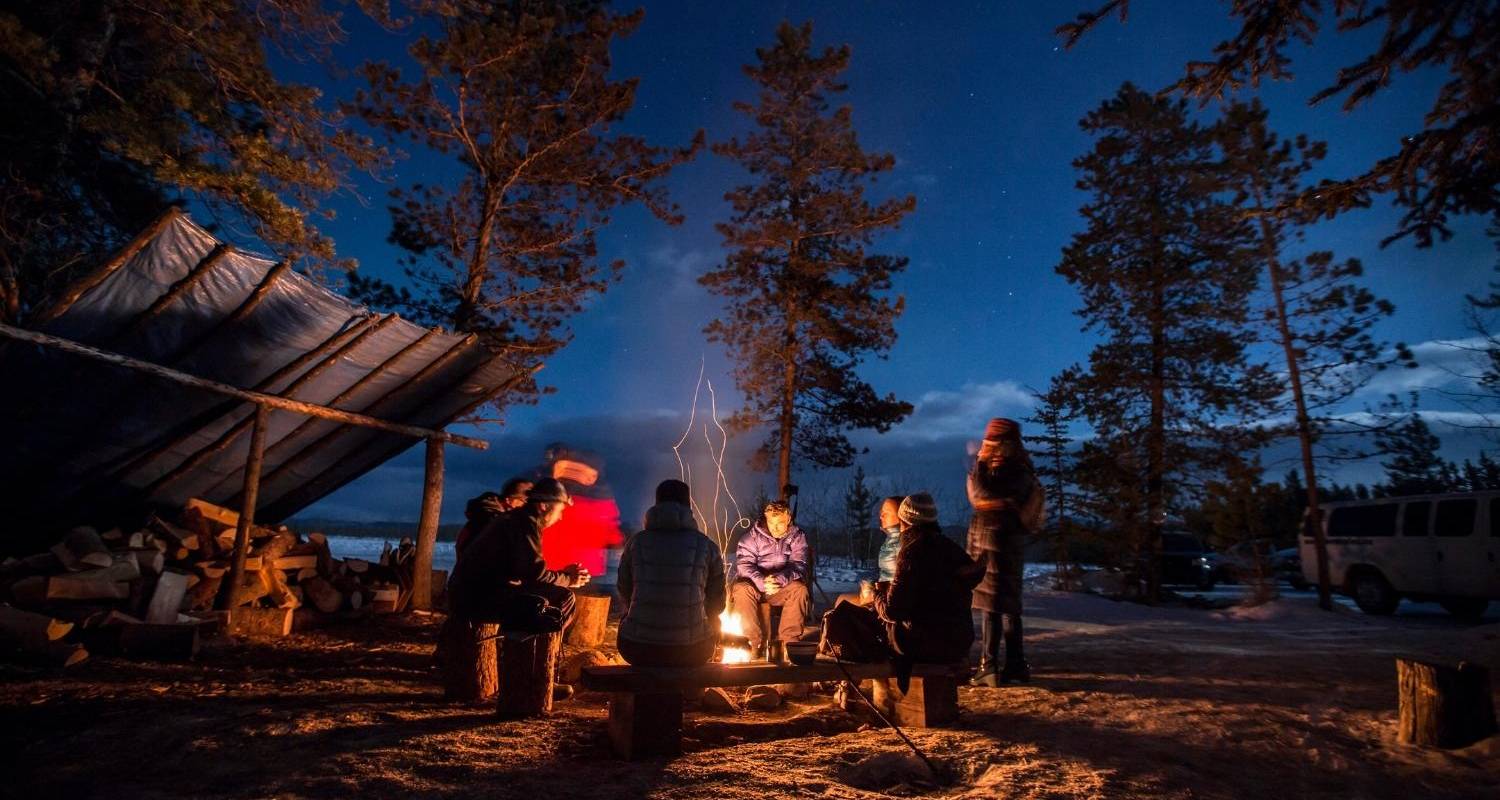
562 691
1016 669
989 652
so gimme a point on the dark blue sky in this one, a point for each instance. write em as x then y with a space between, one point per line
980 105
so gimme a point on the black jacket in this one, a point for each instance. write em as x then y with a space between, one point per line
926 609
503 558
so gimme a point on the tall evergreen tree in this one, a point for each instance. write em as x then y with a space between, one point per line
114 110
1316 313
1412 464
807 302
859 509
519 95
1052 449
1165 281
1451 166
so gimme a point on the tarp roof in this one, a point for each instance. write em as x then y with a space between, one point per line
76 431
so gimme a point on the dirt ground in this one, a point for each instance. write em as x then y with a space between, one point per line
1127 701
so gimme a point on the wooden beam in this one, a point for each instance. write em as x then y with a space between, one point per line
427 526
330 481
229 437
343 397
204 266
375 407
231 586
273 401
81 286
246 306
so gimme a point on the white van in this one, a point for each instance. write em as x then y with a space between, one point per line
1442 548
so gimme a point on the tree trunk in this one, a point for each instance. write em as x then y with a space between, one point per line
528 669
1313 520
590 621
427 528
1443 706
467 657
1156 445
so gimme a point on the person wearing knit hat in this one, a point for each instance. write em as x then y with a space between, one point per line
917 509
1008 504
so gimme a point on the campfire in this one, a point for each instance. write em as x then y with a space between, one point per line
734 647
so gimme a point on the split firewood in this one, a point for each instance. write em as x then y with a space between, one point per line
201 595
82 549
294 563
148 560
92 585
383 599
33 633
306 574
209 511
137 540
211 569
113 536
322 595
349 587
253 587
358 566
176 538
166 599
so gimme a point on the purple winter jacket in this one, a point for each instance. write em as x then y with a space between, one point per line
760 555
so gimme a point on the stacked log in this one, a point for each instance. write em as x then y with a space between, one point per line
126 590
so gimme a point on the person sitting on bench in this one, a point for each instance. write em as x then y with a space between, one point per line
770 565
924 615
502 577
890 527
671 580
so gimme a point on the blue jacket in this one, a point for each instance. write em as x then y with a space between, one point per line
760 555
887 559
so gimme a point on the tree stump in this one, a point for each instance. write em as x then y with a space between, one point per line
590 621
467 659
1443 706
528 668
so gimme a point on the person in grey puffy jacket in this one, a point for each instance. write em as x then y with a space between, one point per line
671 581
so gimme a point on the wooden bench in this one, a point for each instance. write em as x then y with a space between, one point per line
645 706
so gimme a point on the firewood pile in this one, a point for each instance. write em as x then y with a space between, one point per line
151 593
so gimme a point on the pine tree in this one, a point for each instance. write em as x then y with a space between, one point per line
859 509
114 110
1165 281
806 301
519 95
1052 451
1449 167
1316 313
1412 464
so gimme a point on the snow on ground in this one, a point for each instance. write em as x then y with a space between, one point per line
1128 701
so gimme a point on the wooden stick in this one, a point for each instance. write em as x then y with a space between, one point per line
246 306
247 512
427 527
270 400
343 397
204 266
87 282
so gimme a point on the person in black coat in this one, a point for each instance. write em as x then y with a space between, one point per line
1005 494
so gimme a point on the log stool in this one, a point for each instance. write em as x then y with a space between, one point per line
468 660
1443 706
528 669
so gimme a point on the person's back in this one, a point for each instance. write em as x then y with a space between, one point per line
486 563
671 582
928 603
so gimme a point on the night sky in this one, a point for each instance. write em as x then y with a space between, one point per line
980 106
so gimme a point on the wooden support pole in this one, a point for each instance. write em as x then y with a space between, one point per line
427 528
231 587
249 304
260 398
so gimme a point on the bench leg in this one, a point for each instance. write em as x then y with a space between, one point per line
930 702
645 724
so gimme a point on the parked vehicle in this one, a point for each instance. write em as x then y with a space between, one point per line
1184 560
1442 548
1255 559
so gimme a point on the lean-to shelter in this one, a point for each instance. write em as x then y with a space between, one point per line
83 438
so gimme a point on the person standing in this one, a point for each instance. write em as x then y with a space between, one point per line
1006 496
671 580
770 565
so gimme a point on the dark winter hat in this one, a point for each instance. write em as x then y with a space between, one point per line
515 487
1002 428
548 490
917 509
673 491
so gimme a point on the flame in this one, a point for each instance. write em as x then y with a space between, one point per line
735 655
730 625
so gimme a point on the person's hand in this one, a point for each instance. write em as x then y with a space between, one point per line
772 585
577 575
493 505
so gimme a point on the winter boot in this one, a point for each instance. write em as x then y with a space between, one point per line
1016 669
1016 672
989 651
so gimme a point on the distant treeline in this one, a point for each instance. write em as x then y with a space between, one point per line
370 530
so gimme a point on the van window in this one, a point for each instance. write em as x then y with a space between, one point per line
1363 521
1414 518
1455 517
